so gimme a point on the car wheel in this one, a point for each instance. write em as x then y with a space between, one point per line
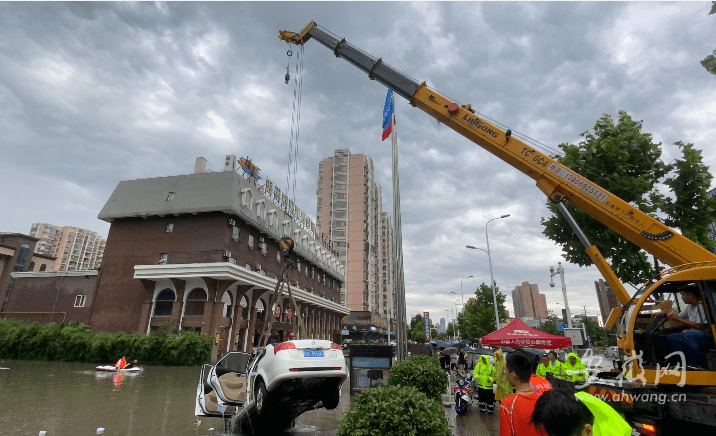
332 400
261 395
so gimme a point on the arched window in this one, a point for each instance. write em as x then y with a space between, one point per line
244 307
227 302
43 267
22 257
164 303
195 302
32 266
260 310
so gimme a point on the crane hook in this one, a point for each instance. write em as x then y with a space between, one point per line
288 76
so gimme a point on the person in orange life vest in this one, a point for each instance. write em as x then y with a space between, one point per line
121 363
538 383
516 410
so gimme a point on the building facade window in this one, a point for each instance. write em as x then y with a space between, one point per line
22 257
170 228
32 266
80 300
226 301
195 302
260 310
247 198
164 303
244 308
43 267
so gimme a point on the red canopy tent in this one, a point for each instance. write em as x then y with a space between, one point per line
517 334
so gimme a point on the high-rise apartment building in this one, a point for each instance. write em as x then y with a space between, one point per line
528 302
349 210
75 248
607 299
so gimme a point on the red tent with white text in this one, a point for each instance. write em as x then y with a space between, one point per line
517 334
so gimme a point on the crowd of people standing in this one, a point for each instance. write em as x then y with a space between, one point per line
527 402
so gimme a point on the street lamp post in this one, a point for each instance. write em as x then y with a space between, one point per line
560 271
492 280
461 294
457 314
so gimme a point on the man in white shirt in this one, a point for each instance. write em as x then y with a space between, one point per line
691 340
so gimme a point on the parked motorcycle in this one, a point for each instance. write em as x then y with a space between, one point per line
463 394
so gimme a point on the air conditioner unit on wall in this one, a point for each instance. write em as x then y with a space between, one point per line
227 254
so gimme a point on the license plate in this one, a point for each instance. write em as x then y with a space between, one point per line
313 353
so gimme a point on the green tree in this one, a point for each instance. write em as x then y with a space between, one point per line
450 331
550 326
709 61
598 335
478 318
693 210
417 331
624 160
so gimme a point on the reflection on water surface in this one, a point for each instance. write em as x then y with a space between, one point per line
74 399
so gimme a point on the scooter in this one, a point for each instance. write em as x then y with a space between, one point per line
463 394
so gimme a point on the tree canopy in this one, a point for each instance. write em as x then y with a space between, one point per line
709 61
625 161
478 318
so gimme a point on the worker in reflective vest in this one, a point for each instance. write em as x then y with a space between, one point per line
573 369
543 367
555 366
484 373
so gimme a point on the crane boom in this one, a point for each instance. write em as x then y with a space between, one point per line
554 179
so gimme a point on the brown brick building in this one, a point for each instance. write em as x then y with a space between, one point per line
201 251
17 255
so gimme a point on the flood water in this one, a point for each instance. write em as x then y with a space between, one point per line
73 399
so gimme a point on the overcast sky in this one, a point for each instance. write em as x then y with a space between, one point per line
95 93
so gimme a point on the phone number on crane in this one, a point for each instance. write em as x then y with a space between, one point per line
579 183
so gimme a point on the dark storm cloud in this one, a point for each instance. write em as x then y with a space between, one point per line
96 93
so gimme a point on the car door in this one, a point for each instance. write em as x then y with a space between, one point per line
228 377
207 403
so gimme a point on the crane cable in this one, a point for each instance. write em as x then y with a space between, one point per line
295 122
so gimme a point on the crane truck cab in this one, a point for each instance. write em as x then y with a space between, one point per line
646 327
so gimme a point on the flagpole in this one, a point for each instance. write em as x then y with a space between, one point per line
399 286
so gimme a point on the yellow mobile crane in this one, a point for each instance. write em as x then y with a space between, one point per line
691 264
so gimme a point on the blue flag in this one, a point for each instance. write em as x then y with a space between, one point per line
388 114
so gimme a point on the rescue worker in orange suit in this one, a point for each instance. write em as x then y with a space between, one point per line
121 363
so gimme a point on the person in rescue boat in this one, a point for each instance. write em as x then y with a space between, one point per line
560 413
121 363
484 373
573 369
